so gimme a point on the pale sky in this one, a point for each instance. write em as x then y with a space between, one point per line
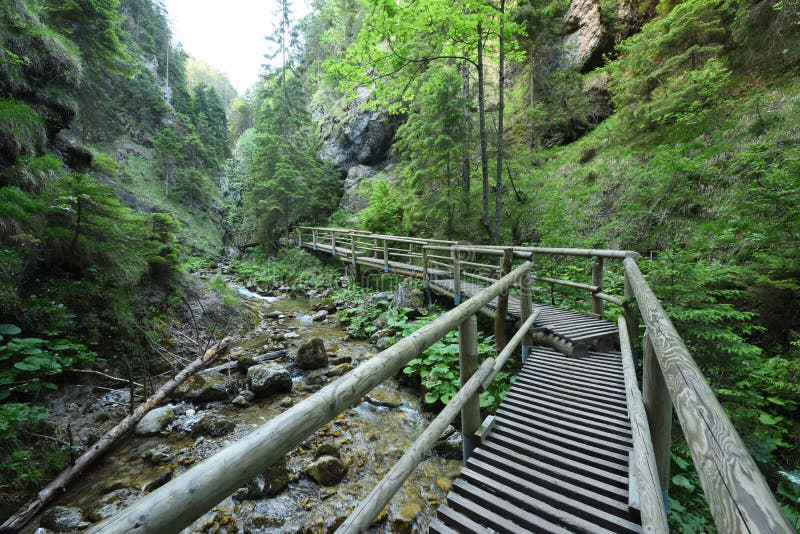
228 35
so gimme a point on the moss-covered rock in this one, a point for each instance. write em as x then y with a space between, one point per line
327 470
203 387
268 379
312 355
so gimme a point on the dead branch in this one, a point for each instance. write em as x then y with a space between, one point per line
106 443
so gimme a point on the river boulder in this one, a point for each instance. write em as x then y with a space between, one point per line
268 379
212 424
203 387
62 518
155 421
312 355
326 470
268 484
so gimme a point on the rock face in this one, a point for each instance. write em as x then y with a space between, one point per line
358 142
587 35
155 421
312 355
269 378
352 201
584 40
327 470
363 137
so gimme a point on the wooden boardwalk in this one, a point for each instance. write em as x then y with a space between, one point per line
556 456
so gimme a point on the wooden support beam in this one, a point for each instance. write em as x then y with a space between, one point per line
659 412
525 313
385 256
468 364
565 347
425 280
597 280
502 304
456 276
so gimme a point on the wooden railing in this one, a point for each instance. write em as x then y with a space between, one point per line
738 495
179 502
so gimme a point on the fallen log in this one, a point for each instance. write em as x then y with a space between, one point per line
106 443
260 358
563 346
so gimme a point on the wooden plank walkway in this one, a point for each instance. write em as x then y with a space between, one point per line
556 456
569 325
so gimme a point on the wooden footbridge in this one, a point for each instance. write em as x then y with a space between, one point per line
575 446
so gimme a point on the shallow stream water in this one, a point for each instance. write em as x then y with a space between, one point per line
370 437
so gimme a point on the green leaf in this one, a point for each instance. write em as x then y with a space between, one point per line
25 366
431 397
768 419
9 329
683 482
680 462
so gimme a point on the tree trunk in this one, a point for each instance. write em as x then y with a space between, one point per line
465 159
106 443
482 128
498 204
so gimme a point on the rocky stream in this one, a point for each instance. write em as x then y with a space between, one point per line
294 348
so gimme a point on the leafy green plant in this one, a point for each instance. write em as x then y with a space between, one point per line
688 508
28 364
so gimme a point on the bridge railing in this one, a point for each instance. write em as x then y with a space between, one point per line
738 495
178 503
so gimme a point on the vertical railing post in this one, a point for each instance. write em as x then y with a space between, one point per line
597 280
299 238
425 283
385 256
333 242
468 364
374 247
502 303
454 253
353 249
629 311
658 405
314 238
525 311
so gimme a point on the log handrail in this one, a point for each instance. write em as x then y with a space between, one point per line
185 498
739 497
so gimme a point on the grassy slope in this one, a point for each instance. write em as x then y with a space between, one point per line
138 177
691 185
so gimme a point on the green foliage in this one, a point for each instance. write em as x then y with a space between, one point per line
429 143
688 509
700 298
284 180
27 460
22 131
29 364
671 70
384 214
294 268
